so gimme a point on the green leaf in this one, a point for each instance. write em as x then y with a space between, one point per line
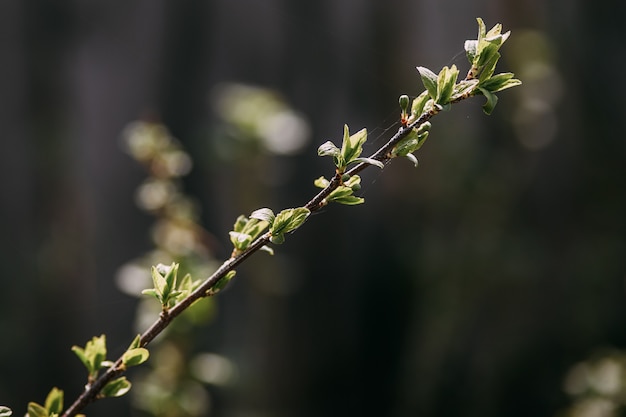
240 241
429 79
419 103
446 81
152 292
187 286
5 411
93 354
321 182
464 88
135 343
352 145
54 401
263 214
349 200
370 161
289 220
222 282
36 410
500 82
328 149
134 357
492 100
482 29
344 193
240 223
116 388
413 141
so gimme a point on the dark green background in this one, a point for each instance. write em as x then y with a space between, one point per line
467 287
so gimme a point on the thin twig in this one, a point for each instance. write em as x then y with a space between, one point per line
383 154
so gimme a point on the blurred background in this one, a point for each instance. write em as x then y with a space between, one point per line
487 282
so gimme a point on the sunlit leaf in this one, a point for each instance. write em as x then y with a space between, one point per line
93 354
328 149
36 410
349 200
134 357
263 214
446 81
500 82
54 401
240 223
429 79
419 103
352 144
5 411
136 342
289 220
321 182
116 388
222 282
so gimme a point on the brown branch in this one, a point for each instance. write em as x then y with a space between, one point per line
383 154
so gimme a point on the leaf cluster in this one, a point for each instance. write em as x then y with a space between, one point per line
93 357
52 407
247 230
167 289
350 152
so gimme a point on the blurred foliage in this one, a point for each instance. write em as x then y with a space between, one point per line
597 386
173 387
169 388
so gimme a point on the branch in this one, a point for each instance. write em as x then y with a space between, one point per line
442 90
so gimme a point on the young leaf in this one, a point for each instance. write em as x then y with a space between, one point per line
352 145
36 410
349 200
321 182
418 105
222 282
500 82
134 357
116 388
54 401
492 100
240 240
5 411
135 343
240 223
429 79
344 193
263 214
289 220
93 354
446 81
328 149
